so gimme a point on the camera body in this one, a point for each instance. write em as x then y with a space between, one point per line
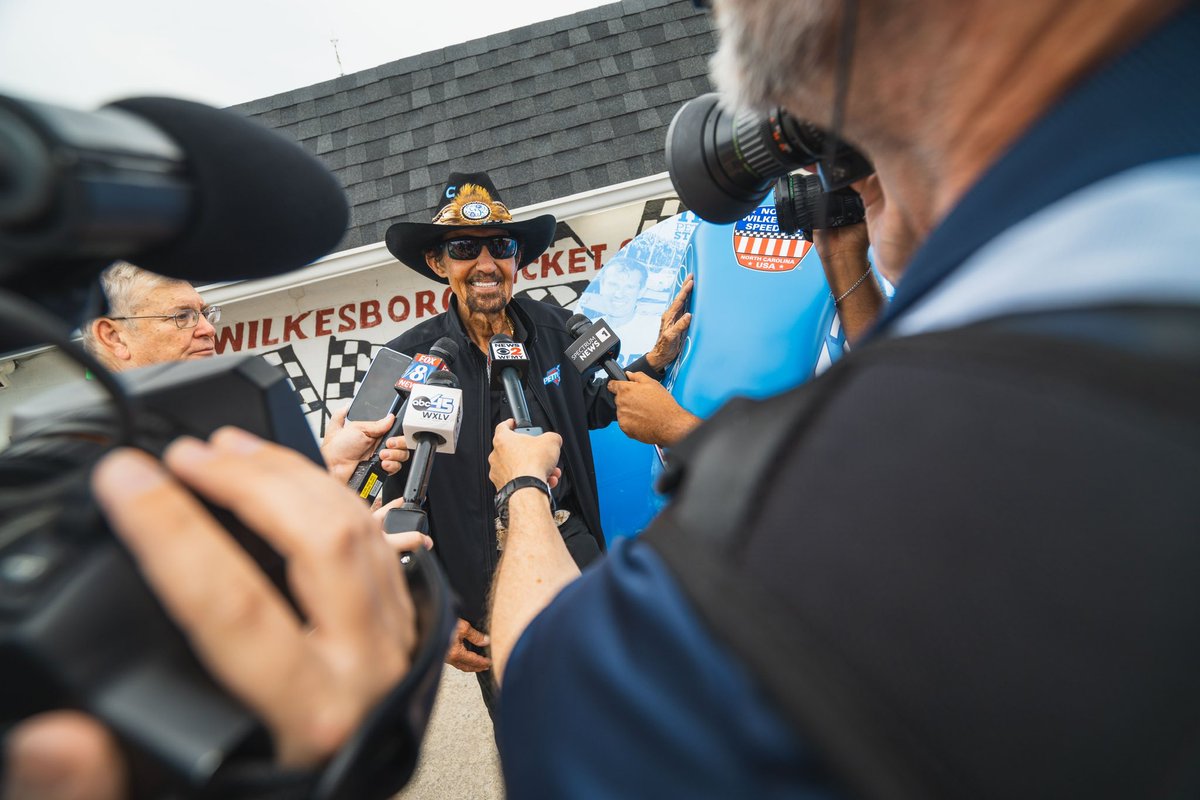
79 627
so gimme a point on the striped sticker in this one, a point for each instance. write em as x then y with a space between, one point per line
758 243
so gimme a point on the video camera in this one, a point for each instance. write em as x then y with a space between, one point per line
79 627
722 165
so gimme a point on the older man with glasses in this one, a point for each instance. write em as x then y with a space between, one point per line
151 319
474 245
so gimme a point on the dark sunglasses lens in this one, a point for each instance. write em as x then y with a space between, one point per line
502 247
463 249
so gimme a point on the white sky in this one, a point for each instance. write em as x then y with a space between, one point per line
83 53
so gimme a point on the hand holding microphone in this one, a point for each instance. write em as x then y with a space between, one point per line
507 365
595 343
367 479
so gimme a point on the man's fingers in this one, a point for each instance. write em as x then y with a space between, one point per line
392 460
464 660
680 299
476 637
408 541
240 626
680 325
378 427
639 377
322 536
62 754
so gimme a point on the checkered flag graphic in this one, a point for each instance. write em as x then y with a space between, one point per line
655 211
564 295
310 401
346 366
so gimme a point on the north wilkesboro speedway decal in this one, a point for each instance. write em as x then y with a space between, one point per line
758 243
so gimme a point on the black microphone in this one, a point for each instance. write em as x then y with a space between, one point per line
507 365
177 187
368 477
432 420
595 343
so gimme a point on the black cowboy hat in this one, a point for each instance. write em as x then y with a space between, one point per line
471 199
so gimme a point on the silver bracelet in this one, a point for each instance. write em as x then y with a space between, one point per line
857 283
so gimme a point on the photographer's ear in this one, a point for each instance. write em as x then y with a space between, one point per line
111 340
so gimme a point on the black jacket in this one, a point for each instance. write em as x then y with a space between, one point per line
460 499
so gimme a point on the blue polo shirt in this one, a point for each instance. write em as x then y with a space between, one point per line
618 689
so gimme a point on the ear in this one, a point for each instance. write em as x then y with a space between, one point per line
431 259
111 339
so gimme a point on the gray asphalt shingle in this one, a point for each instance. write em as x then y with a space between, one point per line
555 108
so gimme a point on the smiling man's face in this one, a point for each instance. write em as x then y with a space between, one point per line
483 284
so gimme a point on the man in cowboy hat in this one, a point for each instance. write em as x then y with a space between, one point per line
475 246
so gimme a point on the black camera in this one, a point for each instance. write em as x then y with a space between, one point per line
722 165
79 627
802 206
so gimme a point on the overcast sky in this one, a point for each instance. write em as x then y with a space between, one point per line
82 54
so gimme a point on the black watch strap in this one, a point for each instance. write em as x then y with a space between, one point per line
519 482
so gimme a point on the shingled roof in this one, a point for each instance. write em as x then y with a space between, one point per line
548 110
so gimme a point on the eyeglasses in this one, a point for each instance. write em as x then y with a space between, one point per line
469 247
188 318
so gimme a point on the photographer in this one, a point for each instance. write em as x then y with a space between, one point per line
961 562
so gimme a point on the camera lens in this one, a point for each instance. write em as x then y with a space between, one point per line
802 205
722 164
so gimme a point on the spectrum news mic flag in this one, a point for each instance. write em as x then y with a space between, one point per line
179 188
432 421
596 343
507 365
369 476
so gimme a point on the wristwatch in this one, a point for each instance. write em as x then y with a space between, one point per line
520 482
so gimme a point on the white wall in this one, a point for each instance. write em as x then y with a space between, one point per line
367 297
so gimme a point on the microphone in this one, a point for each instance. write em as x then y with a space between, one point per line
440 356
432 420
596 343
368 477
177 187
507 365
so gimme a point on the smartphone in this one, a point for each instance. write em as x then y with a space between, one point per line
377 395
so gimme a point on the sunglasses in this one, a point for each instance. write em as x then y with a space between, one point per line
469 247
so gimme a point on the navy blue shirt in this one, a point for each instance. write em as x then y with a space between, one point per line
616 691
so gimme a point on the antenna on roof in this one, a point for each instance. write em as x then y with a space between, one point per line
337 55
